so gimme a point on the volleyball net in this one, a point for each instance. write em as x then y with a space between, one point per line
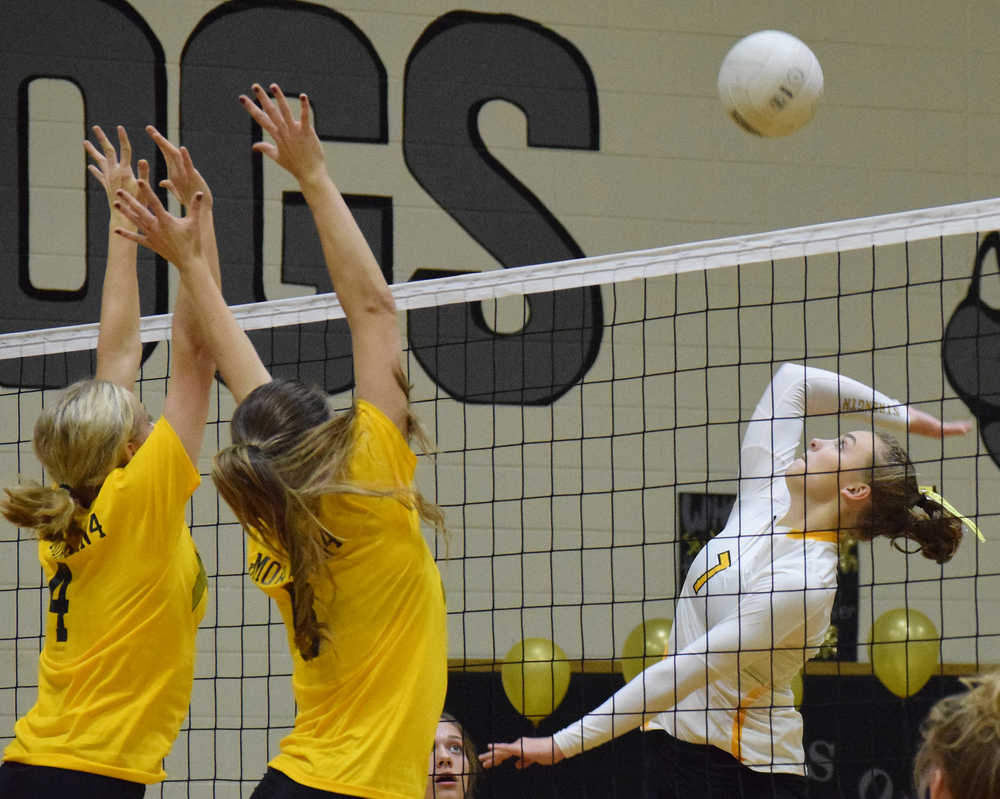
587 417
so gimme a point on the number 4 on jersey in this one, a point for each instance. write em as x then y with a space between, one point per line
58 603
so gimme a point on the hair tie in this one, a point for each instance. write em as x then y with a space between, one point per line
67 487
928 492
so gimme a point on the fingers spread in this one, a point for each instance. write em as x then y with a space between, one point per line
97 173
109 150
305 116
92 151
259 116
133 210
131 235
266 105
124 146
282 103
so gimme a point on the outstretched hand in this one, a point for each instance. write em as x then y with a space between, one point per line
923 424
178 240
183 180
296 147
112 169
525 751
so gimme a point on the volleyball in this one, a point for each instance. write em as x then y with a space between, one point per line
770 83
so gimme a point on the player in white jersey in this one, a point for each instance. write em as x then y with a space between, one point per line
757 599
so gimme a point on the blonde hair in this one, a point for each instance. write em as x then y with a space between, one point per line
79 441
961 736
288 452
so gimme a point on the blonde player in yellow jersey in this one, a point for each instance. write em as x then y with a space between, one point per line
127 589
330 505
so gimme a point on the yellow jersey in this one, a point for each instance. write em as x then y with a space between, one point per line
368 703
115 674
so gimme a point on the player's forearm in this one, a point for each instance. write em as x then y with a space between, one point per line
828 392
354 272
189 336
230 349
119 350
651 692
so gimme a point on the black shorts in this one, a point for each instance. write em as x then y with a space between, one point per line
680 770
277 785
20 781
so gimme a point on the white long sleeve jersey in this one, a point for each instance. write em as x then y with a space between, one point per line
756 601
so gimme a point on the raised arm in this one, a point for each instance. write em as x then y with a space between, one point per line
181 242
361 288
119 351
795 392
192 367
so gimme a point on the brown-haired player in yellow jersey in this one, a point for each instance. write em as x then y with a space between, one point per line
330 505
127 585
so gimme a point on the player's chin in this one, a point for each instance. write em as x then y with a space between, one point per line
796 468
448 789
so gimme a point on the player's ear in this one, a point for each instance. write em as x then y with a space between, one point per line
856 492
937 787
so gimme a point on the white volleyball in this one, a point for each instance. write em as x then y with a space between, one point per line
770 83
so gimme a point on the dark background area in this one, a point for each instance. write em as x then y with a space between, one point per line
859 738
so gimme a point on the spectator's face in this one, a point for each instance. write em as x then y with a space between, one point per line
449 767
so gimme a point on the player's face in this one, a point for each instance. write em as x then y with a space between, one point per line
829 463
449 767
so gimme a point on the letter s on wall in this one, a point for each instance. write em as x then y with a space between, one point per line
462 61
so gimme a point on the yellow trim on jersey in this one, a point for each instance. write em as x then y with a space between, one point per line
738 721
829 536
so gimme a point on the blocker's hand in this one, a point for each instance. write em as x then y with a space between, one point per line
524 751
113 170
178 240
296 146
183 180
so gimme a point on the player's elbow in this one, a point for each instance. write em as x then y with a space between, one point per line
379 302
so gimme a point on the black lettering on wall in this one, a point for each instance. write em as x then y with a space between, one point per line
302 47
461 62
72 42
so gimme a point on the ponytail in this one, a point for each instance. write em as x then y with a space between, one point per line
269 509
79 441
901 511
50 511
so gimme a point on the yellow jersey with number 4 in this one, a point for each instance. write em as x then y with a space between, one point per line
115 674
369 702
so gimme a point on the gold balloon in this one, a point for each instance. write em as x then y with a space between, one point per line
904 650
645 645
535 676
